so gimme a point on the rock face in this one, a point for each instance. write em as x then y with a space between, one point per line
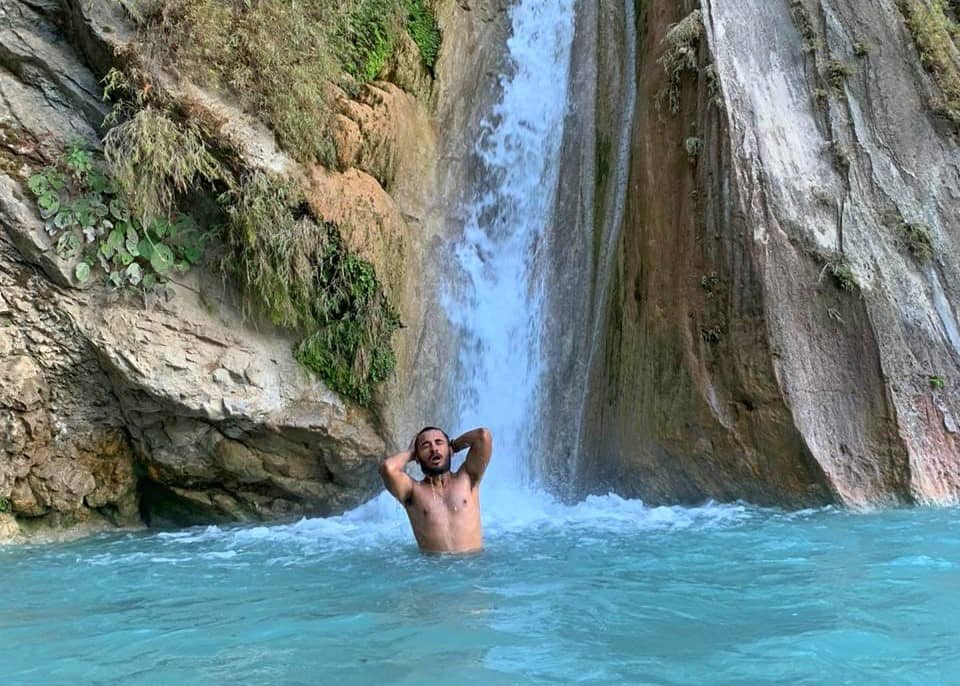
215 417
780 310
113 414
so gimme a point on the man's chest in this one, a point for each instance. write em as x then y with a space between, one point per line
453 502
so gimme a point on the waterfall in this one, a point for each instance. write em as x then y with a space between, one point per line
496 296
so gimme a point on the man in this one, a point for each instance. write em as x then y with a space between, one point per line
444 508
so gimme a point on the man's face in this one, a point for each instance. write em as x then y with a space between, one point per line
433 452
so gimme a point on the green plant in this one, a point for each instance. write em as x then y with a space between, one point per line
301 275
934 33
841 155
366 36
88 215
154 160
693 145
710 281
711 335
839 269
679 57
804 24
937 382
843 275
5 505
918 240
861 49
422 27
836 73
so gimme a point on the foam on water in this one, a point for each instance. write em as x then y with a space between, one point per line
381 524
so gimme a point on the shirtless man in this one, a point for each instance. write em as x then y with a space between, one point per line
444 508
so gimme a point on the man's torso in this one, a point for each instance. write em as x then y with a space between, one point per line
446 518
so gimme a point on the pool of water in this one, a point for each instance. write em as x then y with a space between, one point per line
604 592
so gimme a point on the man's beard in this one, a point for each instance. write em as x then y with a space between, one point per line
430 470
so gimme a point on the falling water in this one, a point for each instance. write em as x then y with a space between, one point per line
499 307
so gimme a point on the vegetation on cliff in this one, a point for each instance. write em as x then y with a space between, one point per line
679 57
300 274
127 213
933 25
89 217
279 59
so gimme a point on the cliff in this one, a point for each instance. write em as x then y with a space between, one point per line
779 305
211 390
223 254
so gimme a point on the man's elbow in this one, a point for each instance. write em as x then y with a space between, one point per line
384 470
486 436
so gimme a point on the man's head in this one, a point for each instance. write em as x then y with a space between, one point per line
433 451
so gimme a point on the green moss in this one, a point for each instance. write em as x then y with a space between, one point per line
804 24
422 27
934 34
300 275
5 505
11 161
366 37
836 73
604 154
712 78
918 240
937 383
641 9
604 160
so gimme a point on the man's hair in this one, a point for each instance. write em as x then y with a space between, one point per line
416 441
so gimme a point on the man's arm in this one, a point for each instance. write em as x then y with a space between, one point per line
394 478
480 443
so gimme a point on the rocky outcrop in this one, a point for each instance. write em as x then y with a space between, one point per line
185 411
65 461
211 416
781 318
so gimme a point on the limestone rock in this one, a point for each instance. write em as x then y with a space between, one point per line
201 412
9 529
769 332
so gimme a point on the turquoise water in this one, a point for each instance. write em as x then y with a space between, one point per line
606 592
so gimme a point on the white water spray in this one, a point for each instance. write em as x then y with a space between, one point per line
499 306
496 297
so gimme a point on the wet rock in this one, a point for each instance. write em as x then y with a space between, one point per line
770 332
